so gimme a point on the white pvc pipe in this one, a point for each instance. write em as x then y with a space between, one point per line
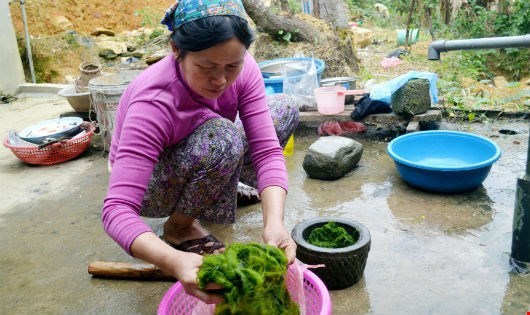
28 44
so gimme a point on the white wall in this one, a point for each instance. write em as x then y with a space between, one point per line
11 71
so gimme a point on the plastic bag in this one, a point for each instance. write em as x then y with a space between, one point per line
202 308
295 284
383 91
299 81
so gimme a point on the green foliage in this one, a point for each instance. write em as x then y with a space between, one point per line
157 32
477 22
514 22
364 75
71 40
252 277
282 35
295 6
150 18
42 62
473 22
480 22
330 235
513 62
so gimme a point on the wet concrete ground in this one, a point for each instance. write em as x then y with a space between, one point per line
430 254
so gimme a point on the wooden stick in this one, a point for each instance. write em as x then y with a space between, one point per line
409 19
124 270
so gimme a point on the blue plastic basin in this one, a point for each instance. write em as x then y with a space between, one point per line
273 75
443 161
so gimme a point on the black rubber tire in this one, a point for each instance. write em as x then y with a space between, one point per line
343 266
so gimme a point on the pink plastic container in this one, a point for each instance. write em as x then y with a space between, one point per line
330 99
316 296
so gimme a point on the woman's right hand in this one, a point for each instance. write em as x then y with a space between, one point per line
183 266
186 271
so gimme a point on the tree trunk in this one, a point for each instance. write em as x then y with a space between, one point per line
429 21
277 24
285 5
316 8
335 12
446 11
409 20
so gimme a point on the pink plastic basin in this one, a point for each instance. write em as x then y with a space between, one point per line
315 296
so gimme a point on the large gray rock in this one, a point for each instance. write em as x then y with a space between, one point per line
332 157
412 98
109 48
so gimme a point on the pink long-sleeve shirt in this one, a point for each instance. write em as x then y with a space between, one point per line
157 110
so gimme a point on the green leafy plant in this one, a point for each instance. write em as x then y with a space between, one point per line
283 35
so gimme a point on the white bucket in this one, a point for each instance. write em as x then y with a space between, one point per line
105 94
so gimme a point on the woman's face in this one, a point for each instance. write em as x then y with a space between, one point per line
210 71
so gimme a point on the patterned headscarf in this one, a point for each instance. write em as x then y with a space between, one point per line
184 11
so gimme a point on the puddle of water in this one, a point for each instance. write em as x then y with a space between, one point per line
431 253
508 132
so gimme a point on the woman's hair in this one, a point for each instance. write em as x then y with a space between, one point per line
206 32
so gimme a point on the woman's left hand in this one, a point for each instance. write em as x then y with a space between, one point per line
279 237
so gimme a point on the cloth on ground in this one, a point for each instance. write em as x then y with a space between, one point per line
329 128
390 62
397 53
366 106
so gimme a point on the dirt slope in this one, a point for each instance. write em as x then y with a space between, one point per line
46 17
56 55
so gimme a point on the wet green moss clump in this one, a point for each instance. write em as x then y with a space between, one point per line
331 235
253 278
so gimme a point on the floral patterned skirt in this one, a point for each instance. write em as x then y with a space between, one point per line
198 176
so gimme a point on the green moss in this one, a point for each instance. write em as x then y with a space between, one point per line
331 235
253 278
412 98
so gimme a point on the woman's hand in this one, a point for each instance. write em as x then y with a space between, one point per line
278 236
182 265
186 271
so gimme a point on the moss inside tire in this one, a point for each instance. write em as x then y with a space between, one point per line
343 266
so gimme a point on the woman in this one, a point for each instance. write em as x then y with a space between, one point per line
187 130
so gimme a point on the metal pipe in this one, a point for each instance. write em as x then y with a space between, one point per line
28 44
436 47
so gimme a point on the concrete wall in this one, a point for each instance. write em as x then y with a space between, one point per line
11 71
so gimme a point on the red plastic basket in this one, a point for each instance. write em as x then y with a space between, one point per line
53 153
316 296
